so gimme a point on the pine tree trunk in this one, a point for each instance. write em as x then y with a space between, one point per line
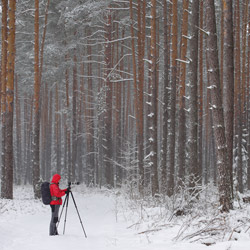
9 154
182 91
74 117
29 139
238 97
228 82
44 129
90 120
49 137
43 40
222 48
118 113
81 115
217 110
153 105
193 83
108 113
3 95
172 116
57 132
138 88
141 14
248 89
67 147
244 86
165 98
19 154
200 118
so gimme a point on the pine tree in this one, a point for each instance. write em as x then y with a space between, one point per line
36 130
193 83
9 153
216 105
3 94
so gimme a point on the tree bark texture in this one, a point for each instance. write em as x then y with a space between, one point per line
195 176
108 112
36 130
238 96
90 119
217 109
200 96
165 99
153 103
3 94
182 91
9 154
228 82
172 116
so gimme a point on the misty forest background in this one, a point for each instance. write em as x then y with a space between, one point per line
152 95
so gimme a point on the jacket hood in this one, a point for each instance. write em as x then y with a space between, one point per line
56 178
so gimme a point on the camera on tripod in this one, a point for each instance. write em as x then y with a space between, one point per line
66 201
73 183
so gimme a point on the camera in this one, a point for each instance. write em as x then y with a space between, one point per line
73 183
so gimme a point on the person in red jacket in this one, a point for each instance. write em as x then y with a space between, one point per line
56 194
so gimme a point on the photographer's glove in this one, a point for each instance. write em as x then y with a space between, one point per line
67 191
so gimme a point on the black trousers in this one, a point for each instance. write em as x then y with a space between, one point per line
54 219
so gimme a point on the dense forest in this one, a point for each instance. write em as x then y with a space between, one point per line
153 95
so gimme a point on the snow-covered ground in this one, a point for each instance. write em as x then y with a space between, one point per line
113 222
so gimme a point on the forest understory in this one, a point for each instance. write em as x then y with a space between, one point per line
108 92
122 219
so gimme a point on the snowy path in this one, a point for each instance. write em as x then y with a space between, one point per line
26 228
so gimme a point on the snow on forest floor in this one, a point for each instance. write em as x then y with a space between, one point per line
113 221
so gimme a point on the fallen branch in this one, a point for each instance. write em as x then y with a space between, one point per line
151 230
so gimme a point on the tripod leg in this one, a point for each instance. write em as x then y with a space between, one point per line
78 215
67 203
62 209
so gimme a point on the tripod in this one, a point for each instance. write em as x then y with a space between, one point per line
66 201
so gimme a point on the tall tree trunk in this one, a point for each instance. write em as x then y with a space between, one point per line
217 110
81 141
182 88
141 14
36 137
44 130
90 118
208 136
221 61
238 97
165 98
153 103
29 139
118 109
244 59
171 177
3 94
49 137
19 153
193 78
9 154
108 114
43 40
248 90
57 132
200 118
228 82
138 88
244 87
67 147
74 118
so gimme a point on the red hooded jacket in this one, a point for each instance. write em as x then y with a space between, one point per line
55 191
